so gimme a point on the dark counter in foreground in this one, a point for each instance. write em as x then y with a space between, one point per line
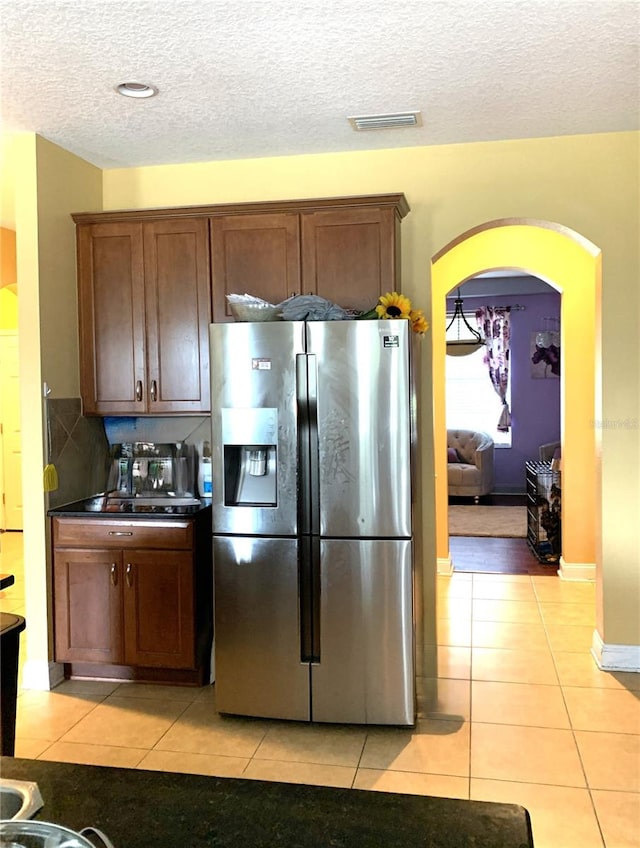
139 809
11 626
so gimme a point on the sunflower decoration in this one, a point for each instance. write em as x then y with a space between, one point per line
393 305
396 305
419 323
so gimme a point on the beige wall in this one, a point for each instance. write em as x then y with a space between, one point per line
586 183
65 184
49 183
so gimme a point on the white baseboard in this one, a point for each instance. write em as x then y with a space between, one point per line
615 657
38 674
577 570
444 565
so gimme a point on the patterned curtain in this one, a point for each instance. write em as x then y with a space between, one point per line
495 324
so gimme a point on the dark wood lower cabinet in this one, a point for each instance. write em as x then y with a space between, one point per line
159 609
88 605
142 613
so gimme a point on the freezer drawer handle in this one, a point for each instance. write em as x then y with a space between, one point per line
120 533
309 583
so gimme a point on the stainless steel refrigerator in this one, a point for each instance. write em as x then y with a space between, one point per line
313 451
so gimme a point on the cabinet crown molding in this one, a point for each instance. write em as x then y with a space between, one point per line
396 201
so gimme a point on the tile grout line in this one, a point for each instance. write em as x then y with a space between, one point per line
364 744
252 758
162 736
471 680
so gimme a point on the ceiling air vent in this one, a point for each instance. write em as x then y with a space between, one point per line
386 122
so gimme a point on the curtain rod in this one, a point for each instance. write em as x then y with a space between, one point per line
515 308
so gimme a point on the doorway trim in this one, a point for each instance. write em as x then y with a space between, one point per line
571 265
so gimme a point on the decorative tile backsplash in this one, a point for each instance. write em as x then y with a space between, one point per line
78 447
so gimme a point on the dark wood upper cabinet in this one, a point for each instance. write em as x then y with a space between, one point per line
150 282
144 307
177 315
254 254
111 312
351 256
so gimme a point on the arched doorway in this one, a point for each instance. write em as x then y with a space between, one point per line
571 265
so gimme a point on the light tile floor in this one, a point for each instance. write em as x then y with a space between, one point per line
519 713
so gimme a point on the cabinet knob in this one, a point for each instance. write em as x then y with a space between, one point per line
128 575
138 390
154 391
114 574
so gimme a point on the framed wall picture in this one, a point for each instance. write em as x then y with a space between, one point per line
545 360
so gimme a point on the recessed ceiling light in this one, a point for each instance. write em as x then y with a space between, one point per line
386 122
136 89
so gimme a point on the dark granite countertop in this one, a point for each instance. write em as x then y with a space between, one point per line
6 580
99 507
11 623
140 809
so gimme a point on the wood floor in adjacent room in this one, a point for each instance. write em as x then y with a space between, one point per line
492 555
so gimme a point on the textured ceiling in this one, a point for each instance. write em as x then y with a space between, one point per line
253 78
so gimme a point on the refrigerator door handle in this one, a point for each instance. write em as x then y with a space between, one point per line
309 507
304 481
314 462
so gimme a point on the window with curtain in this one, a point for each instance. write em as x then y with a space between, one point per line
472 402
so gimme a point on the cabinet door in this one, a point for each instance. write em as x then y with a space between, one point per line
178 314
88 605
350 256
159 609
254 254
111 313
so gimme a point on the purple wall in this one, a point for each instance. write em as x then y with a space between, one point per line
535 403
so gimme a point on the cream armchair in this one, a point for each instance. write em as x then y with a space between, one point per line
472 474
